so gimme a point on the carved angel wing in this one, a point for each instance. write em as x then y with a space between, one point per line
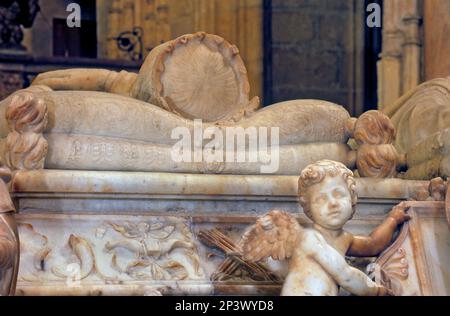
274 235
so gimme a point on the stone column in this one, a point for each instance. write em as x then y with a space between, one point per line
437 38
163 29
149 24
399 69
114 28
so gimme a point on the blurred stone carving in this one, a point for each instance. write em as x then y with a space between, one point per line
9 238
26 147
422 120
234 265
110 252
15 14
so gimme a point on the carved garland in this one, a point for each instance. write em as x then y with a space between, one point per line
26 147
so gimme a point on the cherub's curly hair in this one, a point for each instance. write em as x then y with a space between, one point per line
316 173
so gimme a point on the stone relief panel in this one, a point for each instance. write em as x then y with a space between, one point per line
399 69
75 251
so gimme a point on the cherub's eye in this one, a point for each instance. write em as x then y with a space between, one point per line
338 193
320 198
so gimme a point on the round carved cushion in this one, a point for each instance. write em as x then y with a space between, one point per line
198 76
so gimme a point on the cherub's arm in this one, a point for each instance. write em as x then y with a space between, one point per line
349 278
88 80
379 240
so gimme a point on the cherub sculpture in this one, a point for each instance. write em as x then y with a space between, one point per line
316 254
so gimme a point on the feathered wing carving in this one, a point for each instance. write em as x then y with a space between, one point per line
274 235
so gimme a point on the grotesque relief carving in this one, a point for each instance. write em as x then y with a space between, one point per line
316 254
112 252
26 147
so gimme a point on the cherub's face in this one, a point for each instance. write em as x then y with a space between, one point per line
330 203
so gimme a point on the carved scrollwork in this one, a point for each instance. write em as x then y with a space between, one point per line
374 128
391 269
377 161
395 270
26 147
376 156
